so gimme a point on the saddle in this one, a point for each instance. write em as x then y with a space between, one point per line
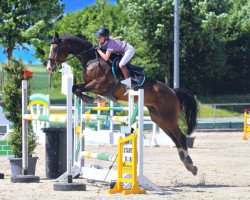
137 73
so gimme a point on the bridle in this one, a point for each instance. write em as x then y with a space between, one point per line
57 57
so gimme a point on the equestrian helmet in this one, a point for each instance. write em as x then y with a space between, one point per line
102 32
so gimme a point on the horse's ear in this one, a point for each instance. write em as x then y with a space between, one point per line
57 35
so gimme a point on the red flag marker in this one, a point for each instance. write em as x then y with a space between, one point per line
27 74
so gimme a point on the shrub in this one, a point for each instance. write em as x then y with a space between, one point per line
12 101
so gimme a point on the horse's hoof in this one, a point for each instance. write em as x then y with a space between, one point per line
194 170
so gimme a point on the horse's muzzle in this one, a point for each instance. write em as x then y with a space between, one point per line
50 67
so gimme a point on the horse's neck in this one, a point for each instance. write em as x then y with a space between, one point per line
80 49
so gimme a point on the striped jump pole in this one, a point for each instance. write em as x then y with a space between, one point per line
85 117
99 156
105 108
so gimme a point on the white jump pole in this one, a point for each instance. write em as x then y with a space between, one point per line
140 127
24 129
25 177
69 130
68 185
153 140
143 180
140 95
98 122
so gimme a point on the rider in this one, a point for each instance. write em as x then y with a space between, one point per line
114 46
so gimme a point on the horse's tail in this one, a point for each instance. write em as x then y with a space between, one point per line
189 108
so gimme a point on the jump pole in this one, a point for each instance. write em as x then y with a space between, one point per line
25 177
143 180
68 185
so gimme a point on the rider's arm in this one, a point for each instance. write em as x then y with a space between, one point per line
105 56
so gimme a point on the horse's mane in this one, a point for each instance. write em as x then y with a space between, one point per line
82 37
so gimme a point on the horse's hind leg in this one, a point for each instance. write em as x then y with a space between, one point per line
156 119
171 127
183 151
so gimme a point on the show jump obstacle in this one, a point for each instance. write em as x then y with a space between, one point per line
130 157
108 175
141 178
129 171
128 175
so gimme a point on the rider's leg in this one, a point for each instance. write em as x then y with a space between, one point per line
128 54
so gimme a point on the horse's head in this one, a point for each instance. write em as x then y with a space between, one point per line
58 53
61 47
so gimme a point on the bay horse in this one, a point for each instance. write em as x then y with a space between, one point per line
165 105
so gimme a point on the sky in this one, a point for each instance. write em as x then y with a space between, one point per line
70 6
74 5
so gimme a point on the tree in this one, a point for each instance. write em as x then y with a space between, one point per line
85 22
26 22
203 54
206 31
238 48
214 39
152 25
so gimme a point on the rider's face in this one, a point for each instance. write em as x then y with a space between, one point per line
101 39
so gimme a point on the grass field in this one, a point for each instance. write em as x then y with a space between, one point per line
40 84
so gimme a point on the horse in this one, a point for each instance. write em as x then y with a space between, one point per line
165 105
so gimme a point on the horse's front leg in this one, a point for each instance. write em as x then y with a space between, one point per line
78 90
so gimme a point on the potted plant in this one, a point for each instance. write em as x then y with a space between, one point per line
12 101
15 140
